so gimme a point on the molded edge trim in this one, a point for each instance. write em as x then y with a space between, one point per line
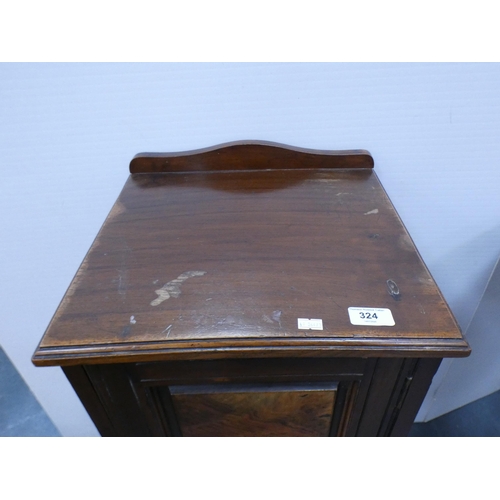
161 351
249 155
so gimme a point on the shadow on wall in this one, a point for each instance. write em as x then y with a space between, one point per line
459 270
466 380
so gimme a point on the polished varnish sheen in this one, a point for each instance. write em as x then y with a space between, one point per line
209 258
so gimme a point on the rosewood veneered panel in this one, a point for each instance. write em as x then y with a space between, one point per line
253 410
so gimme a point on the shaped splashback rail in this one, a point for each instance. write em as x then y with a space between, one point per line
249 155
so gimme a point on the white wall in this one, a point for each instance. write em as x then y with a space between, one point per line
463 380
68 132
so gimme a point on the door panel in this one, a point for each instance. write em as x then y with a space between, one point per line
254 410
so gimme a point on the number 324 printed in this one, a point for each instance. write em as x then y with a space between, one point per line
368 315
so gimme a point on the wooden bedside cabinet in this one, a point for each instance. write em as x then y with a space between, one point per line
252 289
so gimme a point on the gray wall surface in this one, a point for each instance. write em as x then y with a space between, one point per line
68 132
461 381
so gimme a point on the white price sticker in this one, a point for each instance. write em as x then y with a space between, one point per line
370 316
310 324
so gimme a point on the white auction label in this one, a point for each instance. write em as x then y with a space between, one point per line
370 316
310 324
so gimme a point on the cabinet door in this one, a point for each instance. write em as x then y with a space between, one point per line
270 397
258 397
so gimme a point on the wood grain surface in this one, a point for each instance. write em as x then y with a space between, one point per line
255 411
210 259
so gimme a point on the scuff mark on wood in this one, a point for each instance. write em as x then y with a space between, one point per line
173 288
274 318
405 243
374 211
76 280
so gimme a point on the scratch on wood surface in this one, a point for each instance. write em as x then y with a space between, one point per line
126 331
122 281
323 177
173 288
374 211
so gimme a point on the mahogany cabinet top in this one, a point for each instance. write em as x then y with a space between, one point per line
219 253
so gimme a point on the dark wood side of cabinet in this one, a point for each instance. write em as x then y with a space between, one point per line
110 398
415 385
348 396
396 391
